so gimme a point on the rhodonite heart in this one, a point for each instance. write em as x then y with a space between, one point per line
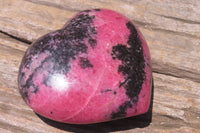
96 68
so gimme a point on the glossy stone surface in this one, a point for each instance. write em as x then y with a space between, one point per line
96 68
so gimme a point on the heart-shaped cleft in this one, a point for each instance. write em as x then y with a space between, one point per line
96 68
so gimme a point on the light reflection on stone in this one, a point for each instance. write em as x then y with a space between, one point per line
59 82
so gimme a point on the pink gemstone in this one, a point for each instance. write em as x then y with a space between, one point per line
96 68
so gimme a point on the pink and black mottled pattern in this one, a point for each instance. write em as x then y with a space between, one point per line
132 68
96 68
62 45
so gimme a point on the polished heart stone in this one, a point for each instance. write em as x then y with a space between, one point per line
96 68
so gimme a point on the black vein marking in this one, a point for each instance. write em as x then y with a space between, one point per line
64 45
148 63
29 82
51 112
114 92
79 27
106 90
133 63
121 111
35 88
92 42
132 68
85 63
45 81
